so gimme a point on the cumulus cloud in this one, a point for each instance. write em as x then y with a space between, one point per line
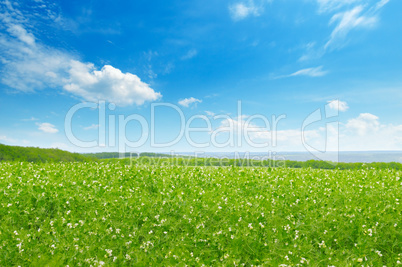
338 105
242 10
47 127
189 101
362 133
363 124
28 66
256 135
108 84
366 132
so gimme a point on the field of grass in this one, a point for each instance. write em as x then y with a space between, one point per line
94 213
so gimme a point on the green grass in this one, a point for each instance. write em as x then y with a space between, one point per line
82 214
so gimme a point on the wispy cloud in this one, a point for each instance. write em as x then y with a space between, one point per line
92 127
241 11
310 72
332 5
190 54
28 65
30 119
348 16
311 51
244 9
380 4
47 127
189 101
19 32
346 22
6 139
210 113
149 69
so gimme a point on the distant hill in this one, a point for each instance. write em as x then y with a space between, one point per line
35 154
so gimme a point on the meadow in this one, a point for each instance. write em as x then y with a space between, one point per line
111 213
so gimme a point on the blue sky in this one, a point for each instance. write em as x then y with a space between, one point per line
276 57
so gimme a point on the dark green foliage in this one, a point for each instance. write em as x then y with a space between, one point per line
314 164
35 154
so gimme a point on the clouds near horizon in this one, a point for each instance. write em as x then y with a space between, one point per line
47 128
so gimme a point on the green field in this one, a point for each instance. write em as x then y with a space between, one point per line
94 213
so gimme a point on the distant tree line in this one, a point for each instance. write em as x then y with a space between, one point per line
314 164
35 154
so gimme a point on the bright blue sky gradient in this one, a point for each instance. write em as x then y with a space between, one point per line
276 57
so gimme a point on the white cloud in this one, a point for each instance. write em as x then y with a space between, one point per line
188 101
28 66
312 72
210 113
47 127
338 105
349 16
92 127
13 141
380 4
6 139
19 32
332 5
108 84
242 10
362 133
190 54
347 21
363 124
289 139
310 52
30 119
366 132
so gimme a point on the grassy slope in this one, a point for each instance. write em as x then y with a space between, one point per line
35 154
